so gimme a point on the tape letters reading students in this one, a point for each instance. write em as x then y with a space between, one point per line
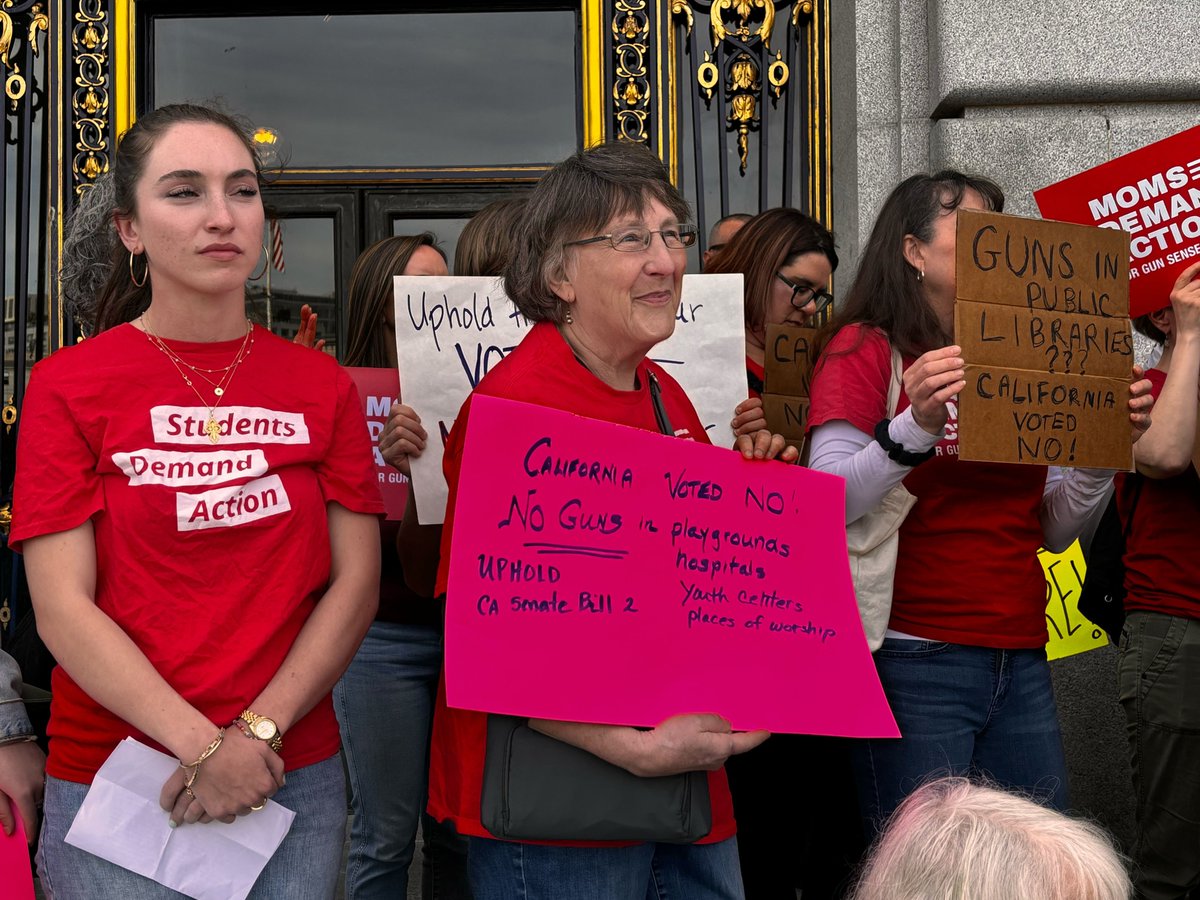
601 279
949 627
198 506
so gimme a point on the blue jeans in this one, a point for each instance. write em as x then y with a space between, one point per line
305 867
962 711
505 870
384 705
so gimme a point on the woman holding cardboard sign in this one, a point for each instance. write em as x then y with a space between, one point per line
963 658
599 268
788 836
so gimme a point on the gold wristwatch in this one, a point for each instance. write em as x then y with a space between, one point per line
263 729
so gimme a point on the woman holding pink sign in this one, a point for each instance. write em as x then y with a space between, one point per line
598 267
963 660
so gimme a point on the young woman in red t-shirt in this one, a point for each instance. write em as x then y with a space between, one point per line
963 661
197 507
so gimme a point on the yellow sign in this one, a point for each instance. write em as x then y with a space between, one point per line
1070 631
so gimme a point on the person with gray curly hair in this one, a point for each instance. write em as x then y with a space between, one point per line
953 839
597 268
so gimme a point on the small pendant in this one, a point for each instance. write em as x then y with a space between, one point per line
213 430
220 392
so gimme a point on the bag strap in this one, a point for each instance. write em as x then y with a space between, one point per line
893 397
660 411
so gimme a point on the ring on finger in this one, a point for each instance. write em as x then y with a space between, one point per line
260 806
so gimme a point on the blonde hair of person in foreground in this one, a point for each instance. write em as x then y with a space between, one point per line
953 839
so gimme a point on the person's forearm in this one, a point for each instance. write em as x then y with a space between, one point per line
1167 446
1070 497
616 744
327 642
97 654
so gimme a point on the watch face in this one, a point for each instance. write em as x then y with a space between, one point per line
264 729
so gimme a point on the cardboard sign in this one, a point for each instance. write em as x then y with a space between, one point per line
1070 631
451 330
1153 194
605 574
1041 317
707 352
788 359
378 389
786 415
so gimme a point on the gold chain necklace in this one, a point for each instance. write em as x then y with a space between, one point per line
211 427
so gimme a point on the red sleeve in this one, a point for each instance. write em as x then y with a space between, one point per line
851 379
57 487
346 473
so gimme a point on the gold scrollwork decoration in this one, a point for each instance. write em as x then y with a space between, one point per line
707 75
39 22
681 8
802 8
5 525
8 415
777 74
631 85
744 9
90 99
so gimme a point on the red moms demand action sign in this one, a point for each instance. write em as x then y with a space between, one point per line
1154 194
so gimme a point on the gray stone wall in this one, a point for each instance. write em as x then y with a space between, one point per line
1027 92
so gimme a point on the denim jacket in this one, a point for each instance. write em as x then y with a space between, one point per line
14 722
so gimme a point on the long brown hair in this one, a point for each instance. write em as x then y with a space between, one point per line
486 242
121 300
763 246
371 292
886 292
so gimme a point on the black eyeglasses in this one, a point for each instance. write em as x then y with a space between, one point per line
804 294
636 239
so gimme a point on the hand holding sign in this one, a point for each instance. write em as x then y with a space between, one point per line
403 437
931 382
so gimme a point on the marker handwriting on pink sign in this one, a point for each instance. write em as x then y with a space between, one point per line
605 574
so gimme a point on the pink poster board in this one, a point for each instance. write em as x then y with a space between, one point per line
605 574
378 390
16 878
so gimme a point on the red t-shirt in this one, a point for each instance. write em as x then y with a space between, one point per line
1162 567
210 557
542 370
967 570
755 377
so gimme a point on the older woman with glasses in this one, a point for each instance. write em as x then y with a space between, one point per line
597 268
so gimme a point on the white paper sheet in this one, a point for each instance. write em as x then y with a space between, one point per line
120 821
707 352
451 330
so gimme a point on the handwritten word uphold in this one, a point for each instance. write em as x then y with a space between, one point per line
1042 317
605 574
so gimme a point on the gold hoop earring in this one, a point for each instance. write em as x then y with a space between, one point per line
145 275
266 262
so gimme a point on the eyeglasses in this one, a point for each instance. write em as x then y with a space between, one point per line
635 240
804 294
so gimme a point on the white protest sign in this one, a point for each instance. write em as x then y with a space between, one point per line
707 352
449 331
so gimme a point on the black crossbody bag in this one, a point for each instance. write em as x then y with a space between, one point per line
536 788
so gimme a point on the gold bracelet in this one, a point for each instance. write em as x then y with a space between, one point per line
208 751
